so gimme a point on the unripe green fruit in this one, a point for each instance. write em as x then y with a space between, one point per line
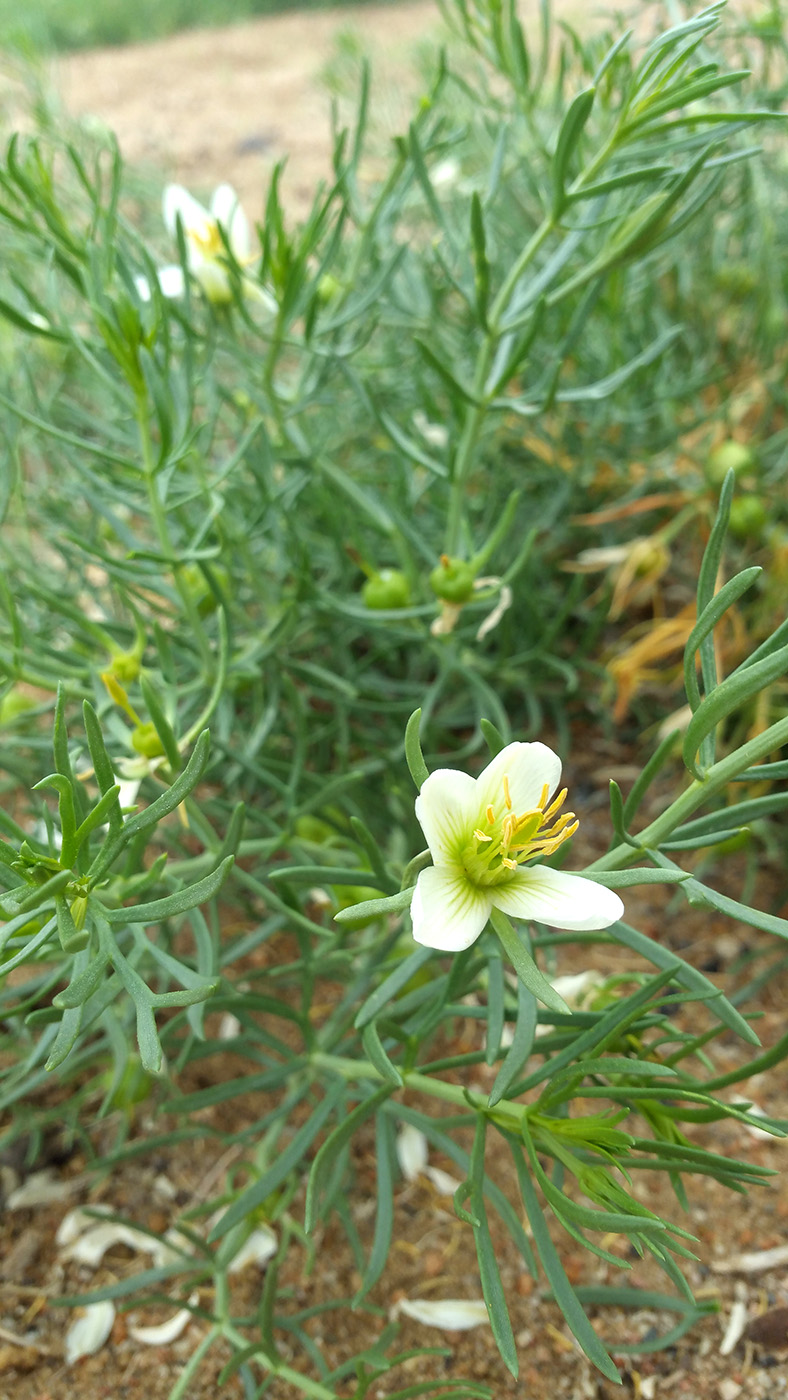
388 589
452 580
729 456
146 741
200 589
748 517
126 665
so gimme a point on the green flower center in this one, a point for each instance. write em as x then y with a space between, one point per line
502 841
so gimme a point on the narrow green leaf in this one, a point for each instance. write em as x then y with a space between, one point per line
727 697
564 1294
376 1054
637 875
339 1138
391 985
385 1151
374 908
489 1273
480 263
173 904
524 965
286 1161
706 623
161 724
521 1046
413 754
571 130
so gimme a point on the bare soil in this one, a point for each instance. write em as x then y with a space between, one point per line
208 106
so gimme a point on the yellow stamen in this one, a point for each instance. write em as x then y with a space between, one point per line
556 804
510 864
544 797
506 793
490 815
480 836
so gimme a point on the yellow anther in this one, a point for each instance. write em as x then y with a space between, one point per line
480 835
506 792
556 804
490 815
510 864
544 797
508 828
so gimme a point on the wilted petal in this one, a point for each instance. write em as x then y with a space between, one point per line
90 1331
142 286
557 899
76 1222
227 210
450 1314
529 768
177 203
165 1332
412 1151
172 281
258 1249
447 911
89 1248
446 809
41 1189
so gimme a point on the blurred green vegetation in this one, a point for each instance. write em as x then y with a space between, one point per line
42 25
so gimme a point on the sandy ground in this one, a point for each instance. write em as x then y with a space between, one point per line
212 105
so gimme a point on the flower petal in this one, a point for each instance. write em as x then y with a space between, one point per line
88 1334
172 281
446 809
227 210
412 1151
142 287
447 911
529 767
450 1314
177 203
258 1249
558 899
165 1332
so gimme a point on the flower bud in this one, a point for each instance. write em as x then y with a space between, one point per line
748 517
146 741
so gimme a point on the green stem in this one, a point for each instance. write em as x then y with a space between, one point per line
424 1084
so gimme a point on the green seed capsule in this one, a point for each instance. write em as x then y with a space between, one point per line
146 741
748 517
729 456
388 589
452 580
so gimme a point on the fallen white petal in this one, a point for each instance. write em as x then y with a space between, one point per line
444 1184
758 1112
41 1189
505 599
754 1263
90 1247
258 1249
76 1222
735 1329
165 1332
450 1314
229 1027
412 1151
88 1334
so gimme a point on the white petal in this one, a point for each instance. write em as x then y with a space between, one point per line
227 210
574 985
412 1151
172 281
447 911
444 1184
165 1332
529 767
447 809
177 203
88 1334
560 900
450 1314
91 1247
258 1249
213 279
76 1222
41 1189
142 286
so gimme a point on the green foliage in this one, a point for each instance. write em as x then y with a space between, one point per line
261 517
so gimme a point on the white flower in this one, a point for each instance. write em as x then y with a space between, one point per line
206 247
480 831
